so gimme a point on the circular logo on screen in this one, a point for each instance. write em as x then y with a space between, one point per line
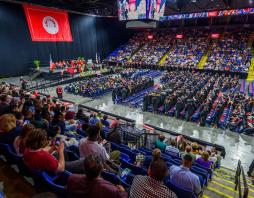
50 25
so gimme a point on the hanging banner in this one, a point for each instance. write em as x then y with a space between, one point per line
47 24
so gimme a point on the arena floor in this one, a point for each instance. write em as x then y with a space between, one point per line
237 146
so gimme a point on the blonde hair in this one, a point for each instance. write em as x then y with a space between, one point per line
7 123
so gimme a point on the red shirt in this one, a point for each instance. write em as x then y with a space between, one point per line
79 186
40 160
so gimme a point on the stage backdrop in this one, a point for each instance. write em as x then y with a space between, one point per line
89 35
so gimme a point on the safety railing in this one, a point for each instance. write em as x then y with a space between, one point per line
238 184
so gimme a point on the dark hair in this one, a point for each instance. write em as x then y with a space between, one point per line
161 138
62 108
93 132
187 157
37 139
24 135
105 117
159 169
53 131
92 166
85 126
173 142
19 115
56 117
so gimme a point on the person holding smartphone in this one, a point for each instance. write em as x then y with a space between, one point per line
39 156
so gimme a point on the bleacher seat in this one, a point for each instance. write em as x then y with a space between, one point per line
136 170
181 192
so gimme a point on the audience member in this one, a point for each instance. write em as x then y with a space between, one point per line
91 184
160 144
181 175
90 146
38 154
152 185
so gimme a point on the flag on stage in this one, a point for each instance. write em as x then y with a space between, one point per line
47 24
96 58
99 58
51 64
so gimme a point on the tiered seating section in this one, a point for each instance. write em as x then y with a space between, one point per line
55 182
152 52
125 52
230 52
188 51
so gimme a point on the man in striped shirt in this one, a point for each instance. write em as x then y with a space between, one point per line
152 185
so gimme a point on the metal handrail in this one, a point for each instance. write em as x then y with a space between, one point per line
239 173
245 185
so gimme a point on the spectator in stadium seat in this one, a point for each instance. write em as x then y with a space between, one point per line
204 160
115 122
114 135
81 116
181 175
93 119
172 150
152 185
188 151
38 155
19 142
160 144
5 104
105 121
8 130
90 146
38 121
91 184
58 120
19 119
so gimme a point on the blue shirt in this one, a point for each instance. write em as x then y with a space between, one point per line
93 121
172 151
182 176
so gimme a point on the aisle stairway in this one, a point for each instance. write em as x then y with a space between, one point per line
251 68
204 58
222 185
163 59
136 51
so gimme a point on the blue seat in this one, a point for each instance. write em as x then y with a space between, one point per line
125 157
115 146
210 171
180 191
8 152
147 151
136 170
137 151
71 155
202 172
166 157
128 152
111 177
55 183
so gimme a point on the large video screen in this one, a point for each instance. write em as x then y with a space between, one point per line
156 9
132 9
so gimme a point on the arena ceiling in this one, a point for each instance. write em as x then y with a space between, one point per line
109 7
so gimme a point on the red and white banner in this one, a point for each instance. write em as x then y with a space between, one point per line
47 24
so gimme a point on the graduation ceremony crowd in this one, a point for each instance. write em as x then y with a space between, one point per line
229 52
41 129
203 98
